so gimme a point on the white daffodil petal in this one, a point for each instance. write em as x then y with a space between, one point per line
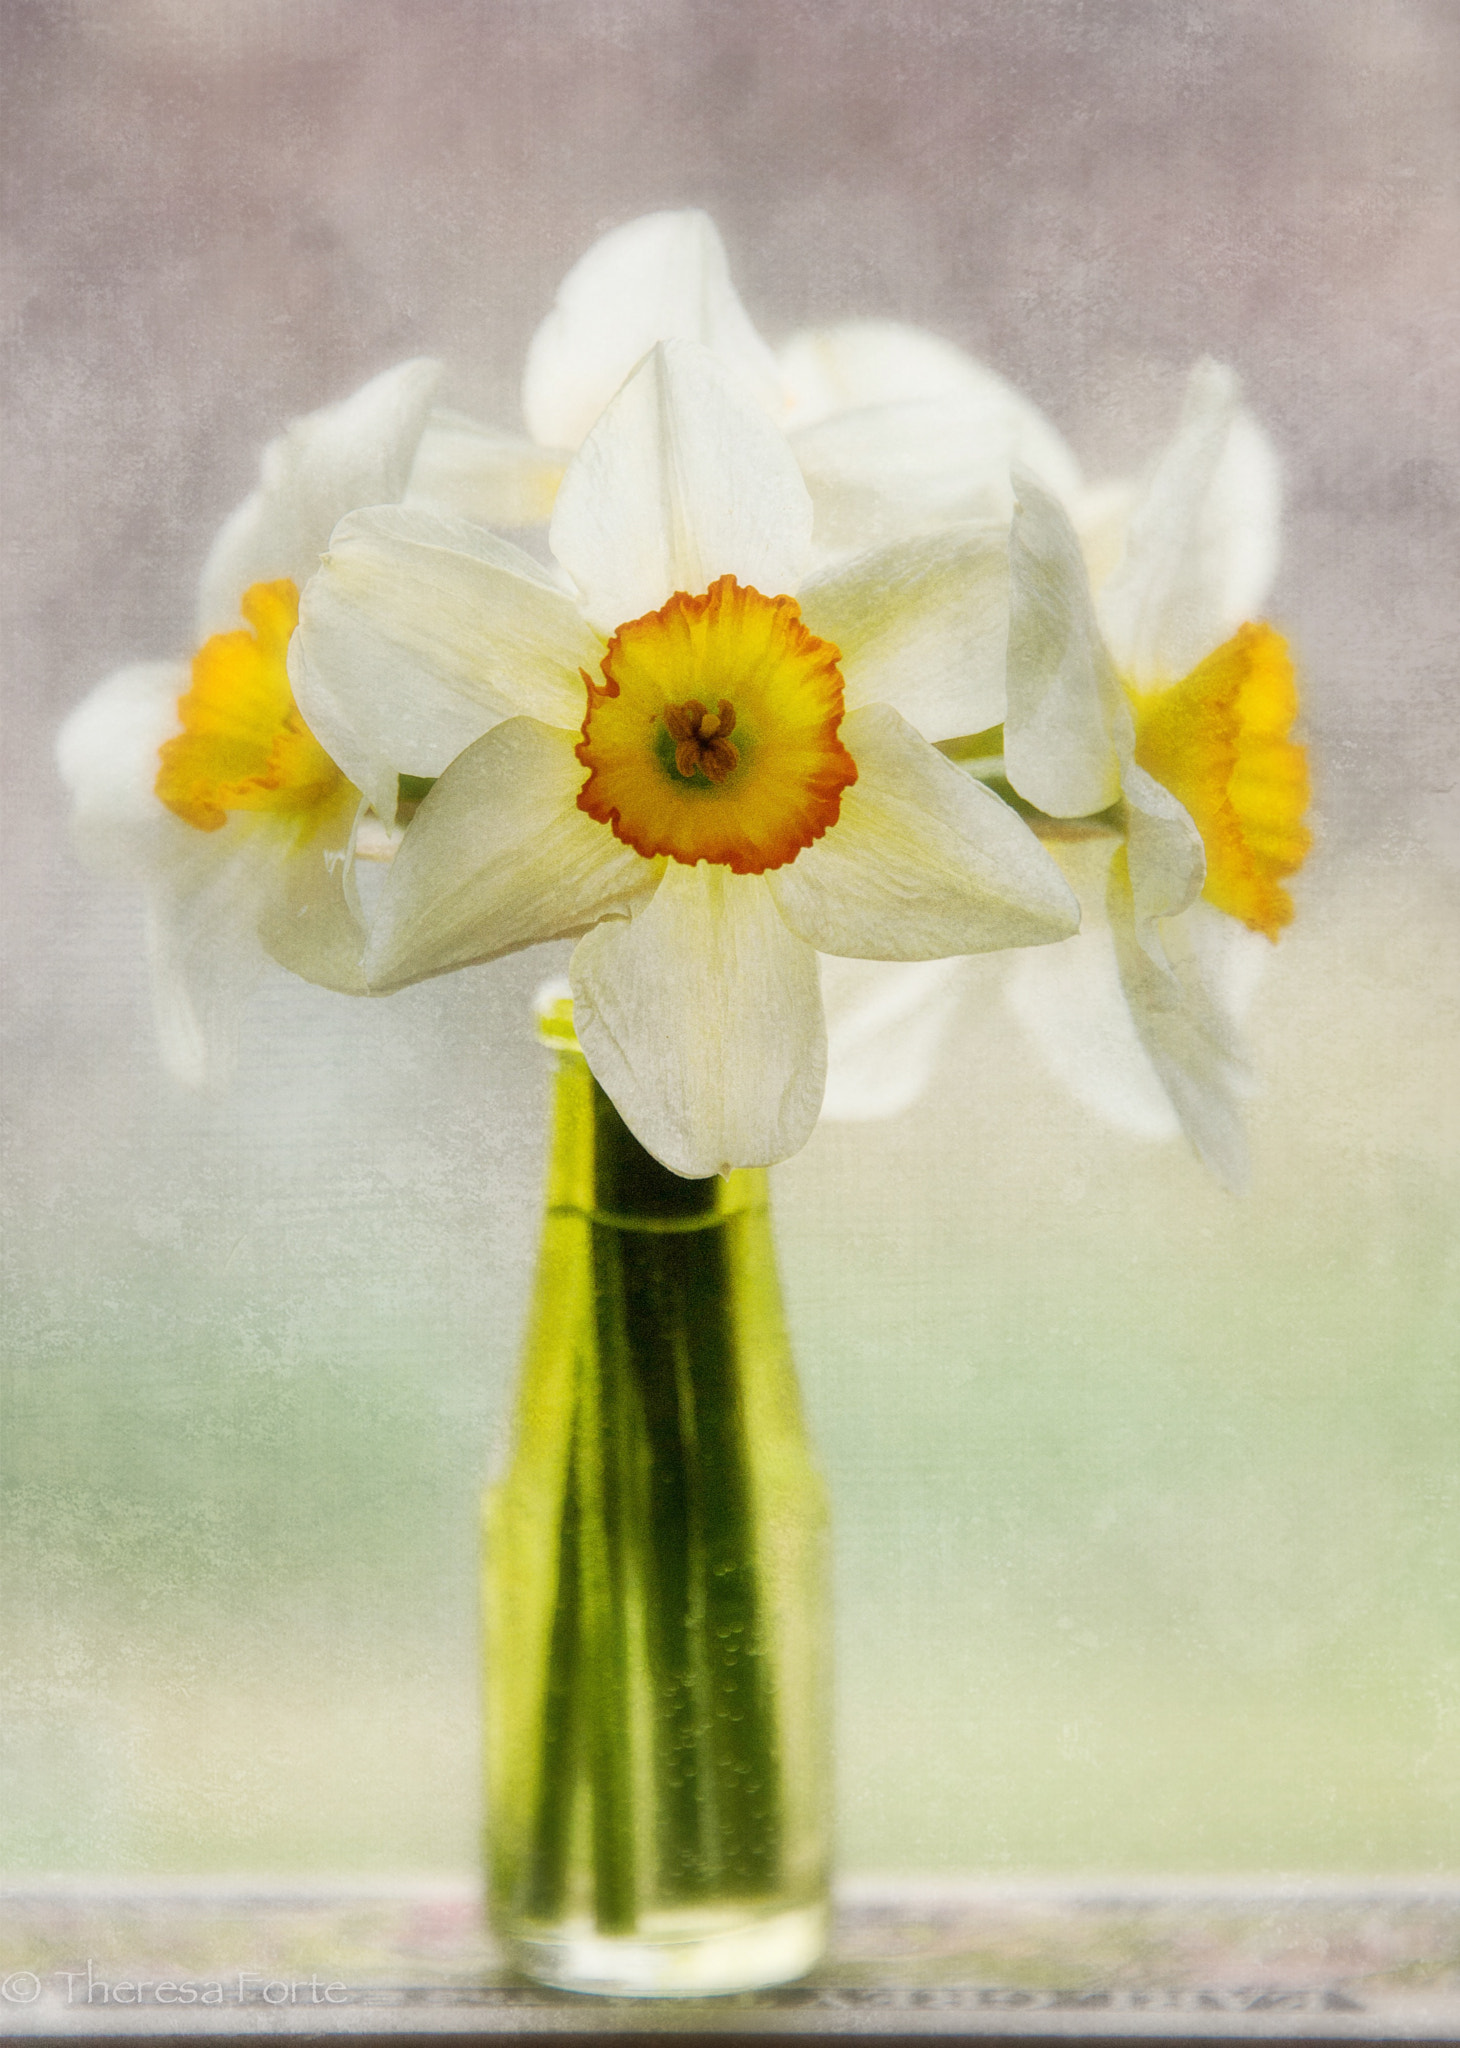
923 861
857 363
499 857
312 922
915 465
702 1020
1244 520
417 634
658 278
1191 1040
863 363
358 452
889 470
886 1024
1167 860
1202 544
204 952
1070 1001
1066 725
1231 960
107 753
468 472
1100 514
682 480
921 625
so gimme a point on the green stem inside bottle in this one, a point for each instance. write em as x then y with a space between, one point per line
657 1663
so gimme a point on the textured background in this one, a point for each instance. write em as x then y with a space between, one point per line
1146 1497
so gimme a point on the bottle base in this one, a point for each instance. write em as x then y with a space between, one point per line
662 1961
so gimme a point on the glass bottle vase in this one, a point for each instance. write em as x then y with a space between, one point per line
656 1589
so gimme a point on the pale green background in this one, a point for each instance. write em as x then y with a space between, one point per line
1145 1497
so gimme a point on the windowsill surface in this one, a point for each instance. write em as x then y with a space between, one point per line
1325 1959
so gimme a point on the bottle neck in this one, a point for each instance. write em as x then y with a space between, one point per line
598 1168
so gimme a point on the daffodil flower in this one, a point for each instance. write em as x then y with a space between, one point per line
1174 707
1154 720
702 766
201 781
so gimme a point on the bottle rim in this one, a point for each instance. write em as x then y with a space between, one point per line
553 1007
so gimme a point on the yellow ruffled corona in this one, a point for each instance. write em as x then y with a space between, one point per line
244 746
714 733
1219 742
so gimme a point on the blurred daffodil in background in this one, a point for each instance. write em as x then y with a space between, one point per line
1148 726
201 782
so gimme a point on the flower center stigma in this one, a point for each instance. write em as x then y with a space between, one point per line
702 739
244 746
663 771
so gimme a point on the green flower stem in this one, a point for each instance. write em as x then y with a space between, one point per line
741 1725
672 1560
546 1883
605 1478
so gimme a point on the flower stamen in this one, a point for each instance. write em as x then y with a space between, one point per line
702 739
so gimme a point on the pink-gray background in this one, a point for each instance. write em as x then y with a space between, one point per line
1145 1498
